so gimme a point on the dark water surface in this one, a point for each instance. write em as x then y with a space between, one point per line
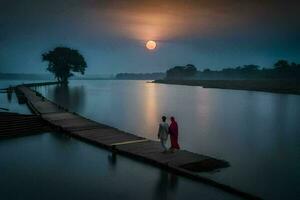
257 132
10 101
55 166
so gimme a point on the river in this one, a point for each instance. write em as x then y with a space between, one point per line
258 133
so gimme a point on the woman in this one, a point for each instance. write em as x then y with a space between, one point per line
173 131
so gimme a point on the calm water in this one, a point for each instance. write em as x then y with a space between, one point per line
11 102
55 166
257 132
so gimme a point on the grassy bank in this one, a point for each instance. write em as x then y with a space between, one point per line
276 86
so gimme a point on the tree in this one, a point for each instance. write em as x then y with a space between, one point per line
190 70
206 70
251 68
181 72
62 61
281 64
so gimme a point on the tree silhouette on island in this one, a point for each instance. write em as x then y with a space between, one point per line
62 61
281 70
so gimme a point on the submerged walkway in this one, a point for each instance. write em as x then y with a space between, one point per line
182 162
13 124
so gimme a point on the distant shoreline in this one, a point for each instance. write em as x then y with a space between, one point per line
274 86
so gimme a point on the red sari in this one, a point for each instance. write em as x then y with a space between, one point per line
173 130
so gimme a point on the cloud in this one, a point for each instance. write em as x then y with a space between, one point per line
167 20
113 27
179 20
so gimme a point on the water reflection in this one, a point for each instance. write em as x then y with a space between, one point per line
78 170
9 95
62 138
71 98
166 186
150 109
256 131
112 160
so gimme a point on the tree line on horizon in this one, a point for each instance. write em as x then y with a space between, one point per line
282 69
62 61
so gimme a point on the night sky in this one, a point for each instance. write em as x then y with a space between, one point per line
112 34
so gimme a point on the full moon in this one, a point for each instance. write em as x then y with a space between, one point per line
151 45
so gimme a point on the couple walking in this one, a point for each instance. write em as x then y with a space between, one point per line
165 130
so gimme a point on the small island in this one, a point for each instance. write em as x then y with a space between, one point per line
283 77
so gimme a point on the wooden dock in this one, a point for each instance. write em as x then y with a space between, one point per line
182 162
13 124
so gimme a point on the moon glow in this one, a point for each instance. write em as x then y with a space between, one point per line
151 45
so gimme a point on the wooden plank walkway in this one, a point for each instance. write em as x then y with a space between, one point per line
121 142
108 136
13 124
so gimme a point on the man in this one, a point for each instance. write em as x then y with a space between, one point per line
163 133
